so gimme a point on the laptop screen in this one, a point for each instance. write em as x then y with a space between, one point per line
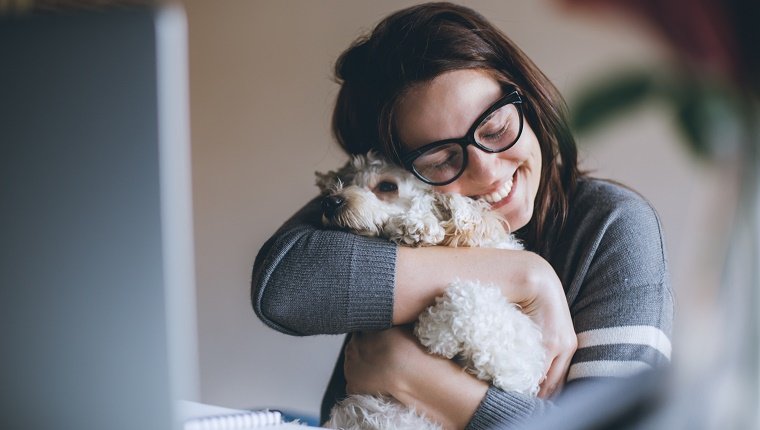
96 268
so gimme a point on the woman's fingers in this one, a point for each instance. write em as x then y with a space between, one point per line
560 348
557 373
548 307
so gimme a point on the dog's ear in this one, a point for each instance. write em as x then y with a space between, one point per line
326 182
373 158
334 180
469 222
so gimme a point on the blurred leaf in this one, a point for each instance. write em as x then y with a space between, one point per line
706 111
708 115
691 118
609 99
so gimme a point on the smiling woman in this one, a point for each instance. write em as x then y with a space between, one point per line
504 170
594 276
443 161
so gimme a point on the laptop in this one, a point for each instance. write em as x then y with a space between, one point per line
97 307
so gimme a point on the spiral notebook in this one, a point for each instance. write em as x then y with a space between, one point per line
200 416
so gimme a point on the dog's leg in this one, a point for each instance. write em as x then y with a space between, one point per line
417 227
436 326
364 412
495 340
472 223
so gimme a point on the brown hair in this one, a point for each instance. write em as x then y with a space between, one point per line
415 45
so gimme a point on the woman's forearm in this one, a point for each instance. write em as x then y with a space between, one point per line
450 401
369 283
307 280
393 362
523 277
422 274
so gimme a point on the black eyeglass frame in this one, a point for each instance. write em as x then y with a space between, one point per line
512 97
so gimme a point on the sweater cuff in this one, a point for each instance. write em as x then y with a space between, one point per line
373 280
501 409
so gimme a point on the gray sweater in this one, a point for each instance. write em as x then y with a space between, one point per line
610 259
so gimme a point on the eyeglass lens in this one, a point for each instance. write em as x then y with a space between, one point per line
495 133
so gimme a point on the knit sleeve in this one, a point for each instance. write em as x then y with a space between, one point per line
623 309
307 280
504 409
613 267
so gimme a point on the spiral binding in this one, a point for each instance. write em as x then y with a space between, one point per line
246 420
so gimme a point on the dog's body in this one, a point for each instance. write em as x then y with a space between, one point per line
491 337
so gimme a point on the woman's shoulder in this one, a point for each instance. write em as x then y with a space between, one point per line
606 194
597 199
612 235
601 207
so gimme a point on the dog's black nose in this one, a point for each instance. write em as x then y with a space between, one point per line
331 204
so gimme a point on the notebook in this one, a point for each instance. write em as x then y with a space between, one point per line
200 416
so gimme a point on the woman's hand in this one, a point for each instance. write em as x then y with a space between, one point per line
543 299
524 278
376 362
392 362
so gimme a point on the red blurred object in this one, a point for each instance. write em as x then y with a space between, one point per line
711 36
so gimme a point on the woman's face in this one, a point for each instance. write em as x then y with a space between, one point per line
446 107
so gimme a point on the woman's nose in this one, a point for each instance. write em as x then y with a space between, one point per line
481 166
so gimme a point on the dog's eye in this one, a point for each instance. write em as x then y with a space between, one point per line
386 187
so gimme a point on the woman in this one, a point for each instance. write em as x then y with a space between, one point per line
424 88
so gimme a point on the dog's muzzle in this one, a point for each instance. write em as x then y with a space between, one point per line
331 205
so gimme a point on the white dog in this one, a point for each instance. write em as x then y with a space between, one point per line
491 337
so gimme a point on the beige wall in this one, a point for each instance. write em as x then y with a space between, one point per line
261 96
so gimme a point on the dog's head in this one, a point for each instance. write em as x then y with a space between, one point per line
368 195
373 197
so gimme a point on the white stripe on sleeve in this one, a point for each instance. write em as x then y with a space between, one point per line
606 368
636 334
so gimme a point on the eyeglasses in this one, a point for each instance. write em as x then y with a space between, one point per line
496 130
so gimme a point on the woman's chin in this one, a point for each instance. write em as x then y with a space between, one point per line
516 217
515 209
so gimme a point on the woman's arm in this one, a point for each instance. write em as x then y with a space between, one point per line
524 278
307 280
621 299
621 304
393 362
618 289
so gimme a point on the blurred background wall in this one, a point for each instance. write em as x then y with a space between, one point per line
261 98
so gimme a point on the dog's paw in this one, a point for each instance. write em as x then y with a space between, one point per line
410 230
